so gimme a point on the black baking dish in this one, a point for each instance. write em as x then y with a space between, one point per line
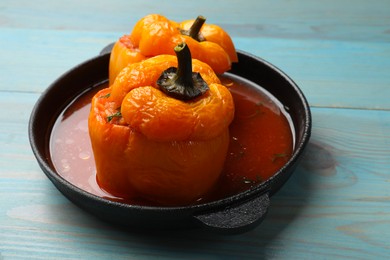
234 214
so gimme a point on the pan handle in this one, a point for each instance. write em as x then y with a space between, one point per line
107 49
233 219
237 218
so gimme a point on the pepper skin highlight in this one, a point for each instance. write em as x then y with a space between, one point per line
152 145
155 35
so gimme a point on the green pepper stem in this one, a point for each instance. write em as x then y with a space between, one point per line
194 31
196 26
181 83
184 65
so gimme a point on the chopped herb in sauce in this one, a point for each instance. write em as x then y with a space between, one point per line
105 96
278 155
117 114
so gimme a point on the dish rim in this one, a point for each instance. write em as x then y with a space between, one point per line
257 190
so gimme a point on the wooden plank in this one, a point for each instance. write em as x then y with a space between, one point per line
32 59
327 71
331 73
334 206
332 19
343 181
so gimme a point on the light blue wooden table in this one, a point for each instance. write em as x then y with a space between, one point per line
336 205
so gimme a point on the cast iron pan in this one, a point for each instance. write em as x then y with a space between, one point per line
235 214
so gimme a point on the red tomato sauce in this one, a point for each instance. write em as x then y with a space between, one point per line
261 142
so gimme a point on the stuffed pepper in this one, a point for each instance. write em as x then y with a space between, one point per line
155 34
160 131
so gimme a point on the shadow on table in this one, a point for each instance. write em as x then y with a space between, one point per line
286 206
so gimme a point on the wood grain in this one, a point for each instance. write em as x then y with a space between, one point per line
332 19
327 71
335 206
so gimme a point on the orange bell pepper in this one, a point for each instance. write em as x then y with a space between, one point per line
160 132
155 34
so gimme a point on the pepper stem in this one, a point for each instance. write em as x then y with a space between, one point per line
194 31
184 65
181 83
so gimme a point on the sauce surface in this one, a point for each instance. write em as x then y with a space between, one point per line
261 142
